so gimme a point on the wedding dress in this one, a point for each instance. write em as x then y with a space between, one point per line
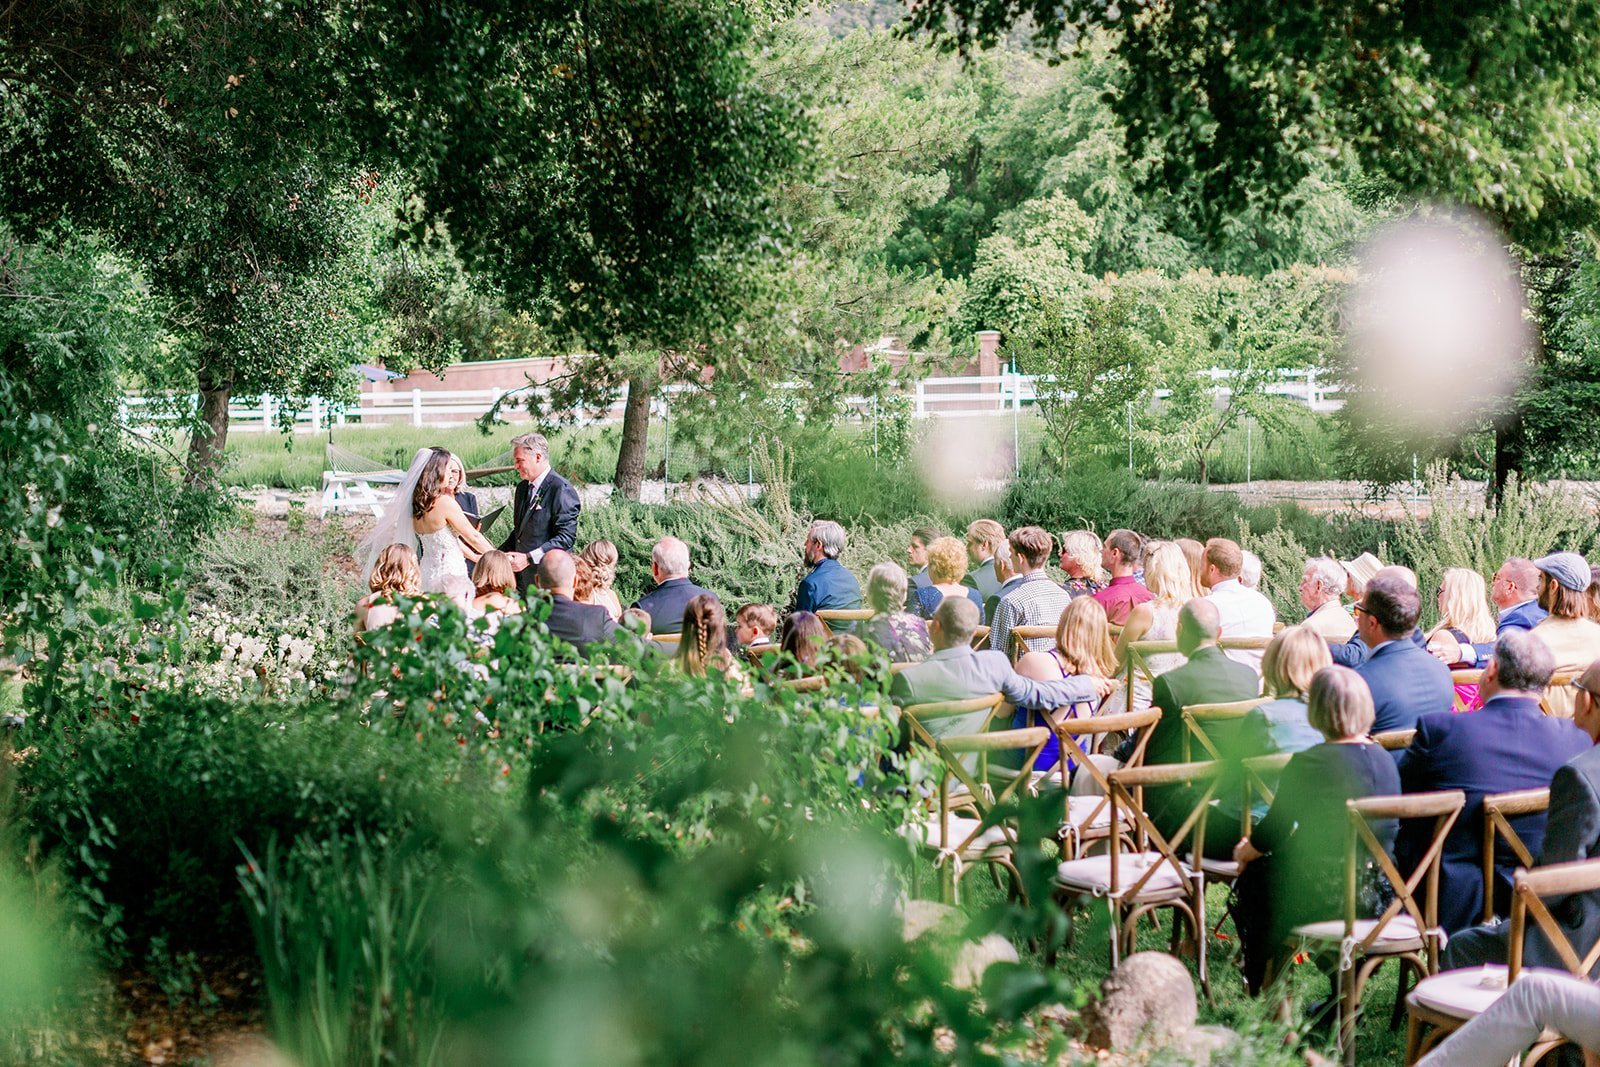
441 557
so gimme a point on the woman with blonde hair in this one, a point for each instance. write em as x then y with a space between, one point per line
601 556
1083 647
703 644
495 585
1080 560
395 572
1464 614
1168 577
1194 554
947 565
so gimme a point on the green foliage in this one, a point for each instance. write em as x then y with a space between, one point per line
243 573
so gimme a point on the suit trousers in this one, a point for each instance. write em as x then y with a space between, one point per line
1536 1001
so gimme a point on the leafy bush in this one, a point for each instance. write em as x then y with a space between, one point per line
240 572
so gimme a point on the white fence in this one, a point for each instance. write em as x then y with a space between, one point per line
931 398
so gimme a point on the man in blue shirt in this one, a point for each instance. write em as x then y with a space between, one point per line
1515 592
827 586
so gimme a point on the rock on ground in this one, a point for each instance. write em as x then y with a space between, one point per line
1148 998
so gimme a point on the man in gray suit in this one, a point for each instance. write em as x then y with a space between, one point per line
956 672
1572 832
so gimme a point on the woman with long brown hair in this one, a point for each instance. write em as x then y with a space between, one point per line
394 574
424 515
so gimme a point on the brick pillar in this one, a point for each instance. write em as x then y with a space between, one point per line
988 358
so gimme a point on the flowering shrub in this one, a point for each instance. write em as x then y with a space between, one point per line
236 655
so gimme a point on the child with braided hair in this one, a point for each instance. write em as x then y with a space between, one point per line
704 644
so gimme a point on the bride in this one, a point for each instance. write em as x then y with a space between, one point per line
424 514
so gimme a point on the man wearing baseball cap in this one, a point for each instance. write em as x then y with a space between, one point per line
1573 637
1572 832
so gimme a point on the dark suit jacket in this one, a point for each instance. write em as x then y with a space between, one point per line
982 579
579 624
1354 652
828 586
1209 677
666 602
549 522
1407 683
1523 616
1507 744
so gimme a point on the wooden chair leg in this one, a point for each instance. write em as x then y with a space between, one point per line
1347 1015
1413 1039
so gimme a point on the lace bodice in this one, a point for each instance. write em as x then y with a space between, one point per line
441 557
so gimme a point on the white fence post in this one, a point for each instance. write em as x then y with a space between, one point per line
416 407
316 413
922 404
266 413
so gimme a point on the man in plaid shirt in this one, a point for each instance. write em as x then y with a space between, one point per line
1033 599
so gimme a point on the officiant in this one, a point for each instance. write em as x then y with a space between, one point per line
545 508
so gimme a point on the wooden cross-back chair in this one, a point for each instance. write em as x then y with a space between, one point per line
1445 1002
1395 740
985 835
1021 635
1138 664
1197 717
980 638
1464 676
1407 929
1156 874
814 683
1498 811
1559 682
1088 819
1258 778
829 616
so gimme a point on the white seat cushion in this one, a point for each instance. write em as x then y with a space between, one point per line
1081 809
926 833
1462 993
1226 870
1092 874
1400 928
1039 781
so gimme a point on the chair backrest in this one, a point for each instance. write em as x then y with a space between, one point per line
1100 726
829 616
1394 740
1021 635
810 684
1260 779
1528 898
896 668
980 637
1444 808
1196 717
1031 740
1138 651
1559 682
1465 676
1127 799
916 716
1498 811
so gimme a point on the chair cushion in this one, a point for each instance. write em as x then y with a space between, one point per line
926 833
1220 870
1092 874
1400 928
1080 809
1461 993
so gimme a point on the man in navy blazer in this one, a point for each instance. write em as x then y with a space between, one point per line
669 565
545 507
579 625
827 586
1507 744
1406 682
1515 592
1572 832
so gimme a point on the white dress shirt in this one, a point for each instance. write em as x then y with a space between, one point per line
1244 613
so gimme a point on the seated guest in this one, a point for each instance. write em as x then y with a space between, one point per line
1032 599
1194 553
917 555
1082 647
1166 575
983 537
1573 637
1244 612
703 647
1515 594
754 625
1121 556
1321 583
1508 744
585 582
956 671
580 625
601 556
1250 571
827 585
1294 858
669 566
1081 552
897 631
1006 574
1354 652
1282 724
1571 833
395 573
1358 572
947 564
1463 617
1208 677
1539 1002
801 641
495 584
1405 681
1594 592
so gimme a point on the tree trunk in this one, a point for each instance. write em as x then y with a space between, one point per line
211 436
635 436
1509 444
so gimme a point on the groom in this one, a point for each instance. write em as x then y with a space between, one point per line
545 508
